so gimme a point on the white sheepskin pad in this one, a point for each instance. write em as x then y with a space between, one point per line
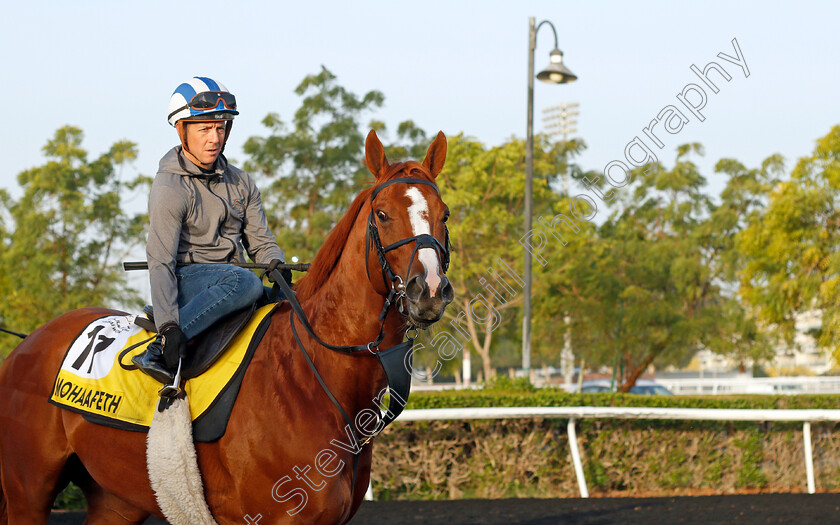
173 469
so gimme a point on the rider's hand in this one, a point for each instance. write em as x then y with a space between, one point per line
174 345
287 274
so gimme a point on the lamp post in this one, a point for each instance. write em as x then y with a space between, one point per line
555 73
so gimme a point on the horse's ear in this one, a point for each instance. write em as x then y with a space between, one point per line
375 155
436 155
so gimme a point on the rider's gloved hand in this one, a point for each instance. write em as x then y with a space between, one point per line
287 274
174 344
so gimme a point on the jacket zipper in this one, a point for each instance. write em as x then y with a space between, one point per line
224 220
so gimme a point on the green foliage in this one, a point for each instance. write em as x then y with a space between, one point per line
530 458
62 240
789 247
502 383
71 498
654 283
679 474
483 187
412 142
718 464
316 167
750 473
545 397
596 474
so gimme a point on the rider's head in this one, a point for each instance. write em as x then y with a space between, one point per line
202 111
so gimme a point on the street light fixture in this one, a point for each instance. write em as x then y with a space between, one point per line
555 73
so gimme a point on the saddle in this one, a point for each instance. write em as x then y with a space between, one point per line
206 347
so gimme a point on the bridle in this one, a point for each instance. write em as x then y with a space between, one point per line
395 361
424 240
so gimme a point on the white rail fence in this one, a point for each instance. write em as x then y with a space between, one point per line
574 413
752 385
790 385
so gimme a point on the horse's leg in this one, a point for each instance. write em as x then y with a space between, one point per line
30 485
34 450
33 455
362 481
106 509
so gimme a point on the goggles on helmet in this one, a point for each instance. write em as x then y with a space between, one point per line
210 100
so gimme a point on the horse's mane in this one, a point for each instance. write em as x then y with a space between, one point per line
327 257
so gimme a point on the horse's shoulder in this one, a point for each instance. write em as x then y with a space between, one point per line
69 324
85 315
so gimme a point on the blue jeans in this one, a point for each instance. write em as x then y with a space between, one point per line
209 292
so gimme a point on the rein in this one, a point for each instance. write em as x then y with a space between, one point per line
22 336
396 361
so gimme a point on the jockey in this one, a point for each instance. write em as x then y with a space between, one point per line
201 210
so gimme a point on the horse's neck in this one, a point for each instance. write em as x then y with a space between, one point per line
345 311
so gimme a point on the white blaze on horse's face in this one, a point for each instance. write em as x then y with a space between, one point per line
418 214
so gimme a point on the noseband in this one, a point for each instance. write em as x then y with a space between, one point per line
424 240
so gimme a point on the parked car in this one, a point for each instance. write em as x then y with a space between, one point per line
595 386
645 387
649 388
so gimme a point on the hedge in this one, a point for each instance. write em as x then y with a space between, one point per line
530 457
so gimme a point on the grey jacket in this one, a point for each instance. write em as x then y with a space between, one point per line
199 218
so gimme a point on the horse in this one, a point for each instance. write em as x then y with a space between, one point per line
287 456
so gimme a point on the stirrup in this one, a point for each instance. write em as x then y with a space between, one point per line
170 391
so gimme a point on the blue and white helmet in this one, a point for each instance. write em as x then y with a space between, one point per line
201 98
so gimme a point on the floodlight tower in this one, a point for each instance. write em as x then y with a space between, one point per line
560 120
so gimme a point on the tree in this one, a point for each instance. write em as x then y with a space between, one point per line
789 248
317 167
483 187
650 286
743 199
62 240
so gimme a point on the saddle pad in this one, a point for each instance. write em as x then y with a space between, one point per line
92 379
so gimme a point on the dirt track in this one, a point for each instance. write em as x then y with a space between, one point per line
799 509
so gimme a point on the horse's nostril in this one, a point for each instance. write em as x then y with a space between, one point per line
447 293
415 288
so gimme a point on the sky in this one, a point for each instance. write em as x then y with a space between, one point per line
456 66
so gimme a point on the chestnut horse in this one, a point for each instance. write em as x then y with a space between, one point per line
286 456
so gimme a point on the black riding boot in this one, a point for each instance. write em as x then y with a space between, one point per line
152 363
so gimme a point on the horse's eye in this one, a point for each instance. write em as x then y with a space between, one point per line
446 217
382 215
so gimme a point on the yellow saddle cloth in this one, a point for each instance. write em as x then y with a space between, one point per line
93 381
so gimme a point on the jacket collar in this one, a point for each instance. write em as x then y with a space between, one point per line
175 161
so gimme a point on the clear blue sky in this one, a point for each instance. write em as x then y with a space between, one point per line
109 68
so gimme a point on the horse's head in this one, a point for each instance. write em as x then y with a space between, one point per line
408 243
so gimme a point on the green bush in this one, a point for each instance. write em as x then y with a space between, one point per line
71 498
511 393
530 457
